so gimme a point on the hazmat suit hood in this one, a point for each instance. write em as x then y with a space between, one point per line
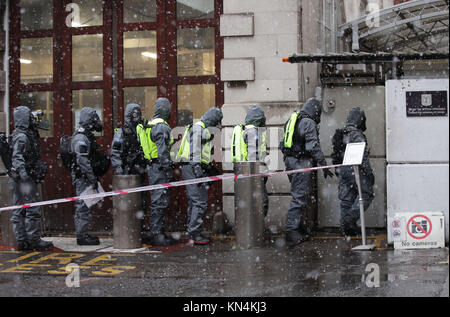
133 115
357 119
212 117
22 117
163 109
255 116
89 120
313 109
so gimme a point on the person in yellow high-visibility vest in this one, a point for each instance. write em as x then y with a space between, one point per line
195 154
249 143
156 142
301 149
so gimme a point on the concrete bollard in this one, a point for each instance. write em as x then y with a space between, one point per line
8 237
248 206
126 218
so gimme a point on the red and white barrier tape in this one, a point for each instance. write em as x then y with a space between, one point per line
166 185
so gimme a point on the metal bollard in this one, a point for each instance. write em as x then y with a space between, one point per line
248 206
126 218
8 237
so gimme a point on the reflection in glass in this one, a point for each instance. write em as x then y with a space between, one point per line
143 96
36 60
194 101
139 54
86 98
91 13
195 52
87 57
40 100
36 14
138 11
195 9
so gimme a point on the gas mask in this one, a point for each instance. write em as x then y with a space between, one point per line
363 126
37 120
136 117
97 123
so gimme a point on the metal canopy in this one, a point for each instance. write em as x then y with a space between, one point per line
352 58
414 26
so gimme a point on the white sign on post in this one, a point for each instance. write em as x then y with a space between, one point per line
421 230
354 153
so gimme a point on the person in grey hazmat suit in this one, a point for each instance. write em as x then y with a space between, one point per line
303 152
196 162
127 157
83 146
157 151
28 170
348 190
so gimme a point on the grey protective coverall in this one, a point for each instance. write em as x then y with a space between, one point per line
127 157
26 152
253 138
83 143
160 170
305 151
197 194
348 190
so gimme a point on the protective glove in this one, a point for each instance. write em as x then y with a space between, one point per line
336 171
327 172
213 170
198 171
372 179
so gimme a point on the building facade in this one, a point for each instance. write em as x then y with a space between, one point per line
64 55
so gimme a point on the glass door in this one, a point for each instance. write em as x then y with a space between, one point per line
68 54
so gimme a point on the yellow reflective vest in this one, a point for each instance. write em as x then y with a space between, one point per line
148 146
289 130
239 149
185 147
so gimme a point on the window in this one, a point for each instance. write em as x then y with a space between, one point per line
36 14
194 101
195 9
143 96
195 52
140 54
90 13
87 57
36 60
139 11
86 98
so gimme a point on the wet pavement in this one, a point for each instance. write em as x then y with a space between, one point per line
323 267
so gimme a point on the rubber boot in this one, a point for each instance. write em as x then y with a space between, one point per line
198 239
161 240
40 245
88 240
295 237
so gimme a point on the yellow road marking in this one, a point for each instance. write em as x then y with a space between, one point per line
444 262
26 256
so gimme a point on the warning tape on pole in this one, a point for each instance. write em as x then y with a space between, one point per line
165 186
